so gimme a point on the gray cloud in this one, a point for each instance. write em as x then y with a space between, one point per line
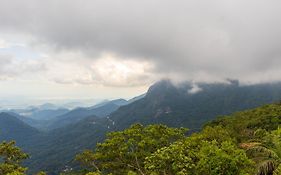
10 67
5 62
195 39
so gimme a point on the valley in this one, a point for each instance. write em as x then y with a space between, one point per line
54 143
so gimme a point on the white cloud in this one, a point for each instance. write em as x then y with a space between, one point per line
108 70
195 89
113 71
4 44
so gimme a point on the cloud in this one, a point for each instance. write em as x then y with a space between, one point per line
196 40
117 72
108 70
11 67
194 89
4 44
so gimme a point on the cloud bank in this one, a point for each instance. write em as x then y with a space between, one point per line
10 67
194 40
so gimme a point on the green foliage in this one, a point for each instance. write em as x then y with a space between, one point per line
243 125
257 131
93 173
157 150
10 159
246 142
267 153
41 173
277 171
125 151
224 159
200 153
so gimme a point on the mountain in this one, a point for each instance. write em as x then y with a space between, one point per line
117 102
100 110
60 146
46 114
178 105
42 112
12 128
71 117
243 123
47 106
76 104
136 98
105 110
37 117
185 104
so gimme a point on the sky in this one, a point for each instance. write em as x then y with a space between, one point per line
97 49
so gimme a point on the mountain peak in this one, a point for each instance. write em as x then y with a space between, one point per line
161 86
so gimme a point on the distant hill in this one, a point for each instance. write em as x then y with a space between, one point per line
37 117
47 106
103 109
43 112
12 128
47 114
61 145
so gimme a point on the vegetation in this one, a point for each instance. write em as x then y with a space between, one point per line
244 143
247 142
11 157
125 151
157 149
164 103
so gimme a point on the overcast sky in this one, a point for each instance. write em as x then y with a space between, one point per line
117 48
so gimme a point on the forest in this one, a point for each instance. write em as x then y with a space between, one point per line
247 142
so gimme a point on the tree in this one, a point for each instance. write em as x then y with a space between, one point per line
266 152
210 152
223 159
125 151
11 158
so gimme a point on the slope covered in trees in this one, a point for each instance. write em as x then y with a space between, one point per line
11 128
247 142
179 106
54 151
243 143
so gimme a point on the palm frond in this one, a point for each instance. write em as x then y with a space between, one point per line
262 151
266 167
277 171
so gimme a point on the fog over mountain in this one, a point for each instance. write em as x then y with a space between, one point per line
75 74
80 46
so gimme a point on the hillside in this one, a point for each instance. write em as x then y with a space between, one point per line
176 106
78 114
60 146
246 142
243 124
101 110
11 128
164 103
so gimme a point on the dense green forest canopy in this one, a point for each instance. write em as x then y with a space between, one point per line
247 142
